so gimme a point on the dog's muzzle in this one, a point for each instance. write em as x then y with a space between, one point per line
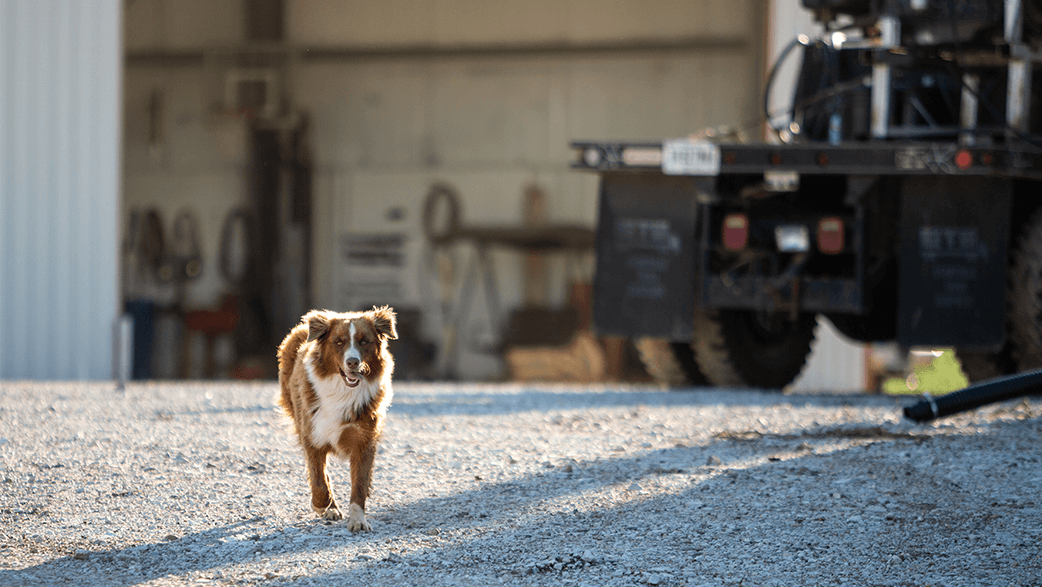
350 379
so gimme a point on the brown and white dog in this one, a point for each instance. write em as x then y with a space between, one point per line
335 378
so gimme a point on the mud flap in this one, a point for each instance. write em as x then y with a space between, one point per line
646 241
954 234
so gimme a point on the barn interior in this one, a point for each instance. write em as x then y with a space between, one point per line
281 155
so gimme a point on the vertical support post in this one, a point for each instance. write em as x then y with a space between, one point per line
1017 103
1012 24
1018 89
969 107
122 349
890 28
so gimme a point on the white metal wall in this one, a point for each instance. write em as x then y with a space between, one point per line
60 103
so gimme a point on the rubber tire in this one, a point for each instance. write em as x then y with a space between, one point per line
978 366
669 363
734 349
1025 297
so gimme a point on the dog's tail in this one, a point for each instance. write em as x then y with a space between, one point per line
287 360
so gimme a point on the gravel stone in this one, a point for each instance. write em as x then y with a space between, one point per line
191 483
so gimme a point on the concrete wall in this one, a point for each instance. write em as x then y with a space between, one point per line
60 87
174 25
449 23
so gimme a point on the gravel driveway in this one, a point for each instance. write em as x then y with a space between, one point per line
200 484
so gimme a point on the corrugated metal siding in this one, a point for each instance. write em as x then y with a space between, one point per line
60 102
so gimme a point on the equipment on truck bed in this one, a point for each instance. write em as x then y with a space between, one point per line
904 203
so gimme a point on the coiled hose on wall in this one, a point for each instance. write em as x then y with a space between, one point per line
975 396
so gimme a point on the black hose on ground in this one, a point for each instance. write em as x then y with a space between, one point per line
975 396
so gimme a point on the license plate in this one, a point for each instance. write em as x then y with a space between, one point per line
688 157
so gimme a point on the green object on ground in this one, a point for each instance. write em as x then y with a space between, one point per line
940 376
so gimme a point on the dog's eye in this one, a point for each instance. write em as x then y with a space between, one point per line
364 341
340 343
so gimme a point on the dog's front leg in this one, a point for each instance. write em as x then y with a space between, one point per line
361 449
322 500
361 480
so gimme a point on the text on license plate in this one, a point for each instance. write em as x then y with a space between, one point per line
688 157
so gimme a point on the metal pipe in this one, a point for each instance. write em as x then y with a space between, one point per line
969 107
890 29
1018 91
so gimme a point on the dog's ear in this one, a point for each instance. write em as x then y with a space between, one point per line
318 324
385 320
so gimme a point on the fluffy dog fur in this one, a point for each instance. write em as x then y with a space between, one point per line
335 379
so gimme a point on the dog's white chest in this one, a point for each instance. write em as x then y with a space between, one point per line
337 405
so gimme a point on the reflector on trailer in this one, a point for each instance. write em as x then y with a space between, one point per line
830 236
736 231
963 159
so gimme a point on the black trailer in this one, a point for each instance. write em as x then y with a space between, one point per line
904 203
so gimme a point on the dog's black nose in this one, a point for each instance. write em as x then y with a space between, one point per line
352 364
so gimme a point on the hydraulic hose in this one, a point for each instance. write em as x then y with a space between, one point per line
975 396
800 41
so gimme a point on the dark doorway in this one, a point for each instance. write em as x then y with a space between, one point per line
276 290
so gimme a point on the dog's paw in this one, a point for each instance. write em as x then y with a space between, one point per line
356 521
331 513
359 525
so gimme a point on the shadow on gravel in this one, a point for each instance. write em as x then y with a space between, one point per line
484 400
248 541
855 515
479 400
112 567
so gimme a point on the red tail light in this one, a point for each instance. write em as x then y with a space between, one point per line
963 159
830 236
736 231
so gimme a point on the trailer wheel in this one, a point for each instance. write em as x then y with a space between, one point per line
1025 297
743 348
669 363
978 366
